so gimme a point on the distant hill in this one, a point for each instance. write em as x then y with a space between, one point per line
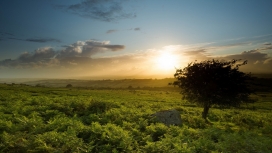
124 83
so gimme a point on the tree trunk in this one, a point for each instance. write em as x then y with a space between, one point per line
205 111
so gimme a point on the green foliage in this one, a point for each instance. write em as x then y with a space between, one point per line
46 119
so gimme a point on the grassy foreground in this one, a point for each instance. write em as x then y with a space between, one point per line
40 119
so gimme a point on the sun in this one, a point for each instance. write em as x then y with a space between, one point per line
166 61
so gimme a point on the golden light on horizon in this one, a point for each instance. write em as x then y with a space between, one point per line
166 61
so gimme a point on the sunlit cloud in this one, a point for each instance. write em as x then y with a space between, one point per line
88 48
258 60
78 59
79 52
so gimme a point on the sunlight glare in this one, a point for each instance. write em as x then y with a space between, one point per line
166 61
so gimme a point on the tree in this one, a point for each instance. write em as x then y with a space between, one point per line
69 86
214 82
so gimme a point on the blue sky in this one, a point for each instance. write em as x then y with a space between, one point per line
79 38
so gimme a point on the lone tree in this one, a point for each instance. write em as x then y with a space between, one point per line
69 86
214 82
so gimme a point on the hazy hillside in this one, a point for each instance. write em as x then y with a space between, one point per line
124 83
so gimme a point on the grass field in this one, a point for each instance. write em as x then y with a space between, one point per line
51 119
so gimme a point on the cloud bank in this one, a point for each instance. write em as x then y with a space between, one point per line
48 57
77 59
88 48
258 59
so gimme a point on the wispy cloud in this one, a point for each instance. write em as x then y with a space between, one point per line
111 31
42 40
38 40
131 29
10 36
104 10
6 34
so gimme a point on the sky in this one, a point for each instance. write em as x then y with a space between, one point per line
130 38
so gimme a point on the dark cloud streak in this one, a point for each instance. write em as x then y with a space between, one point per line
111 31
131 29
6 34
38 40
266 43
113 47
104 10
43 40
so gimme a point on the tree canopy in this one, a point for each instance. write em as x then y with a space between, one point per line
214 82
69 86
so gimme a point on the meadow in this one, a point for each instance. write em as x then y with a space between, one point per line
77 119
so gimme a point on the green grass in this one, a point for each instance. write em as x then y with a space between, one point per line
41 119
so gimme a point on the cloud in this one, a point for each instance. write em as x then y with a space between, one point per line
78 59
104 10
42 40
266 43
268 61
135 29
195 53
41 57
258 62
6 34
111 31
16 38
227 46
88 48
40 54
251 56
200 54
131 29
258 59
75 54
39 40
